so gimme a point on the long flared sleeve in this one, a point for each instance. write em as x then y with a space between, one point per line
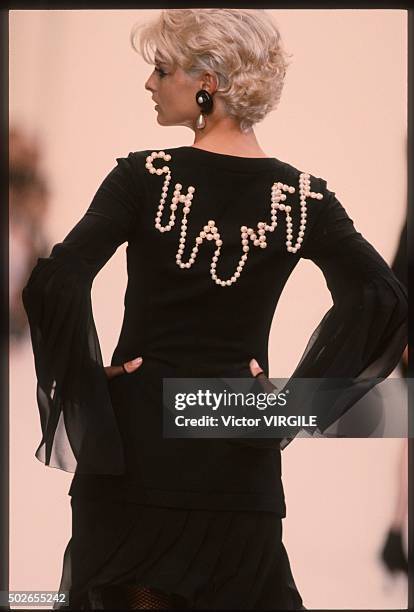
360 339
79 430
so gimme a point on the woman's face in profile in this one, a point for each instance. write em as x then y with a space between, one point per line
173 92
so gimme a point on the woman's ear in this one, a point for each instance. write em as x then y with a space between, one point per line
209 82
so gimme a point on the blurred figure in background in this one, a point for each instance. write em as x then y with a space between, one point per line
393 553
28 205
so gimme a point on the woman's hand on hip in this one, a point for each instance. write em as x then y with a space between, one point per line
126 368
258 373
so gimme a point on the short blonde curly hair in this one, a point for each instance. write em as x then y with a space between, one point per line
242 47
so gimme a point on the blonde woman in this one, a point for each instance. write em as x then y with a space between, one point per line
214 230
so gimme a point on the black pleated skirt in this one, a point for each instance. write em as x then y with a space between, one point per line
203 559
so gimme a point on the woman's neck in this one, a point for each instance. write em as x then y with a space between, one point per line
224 136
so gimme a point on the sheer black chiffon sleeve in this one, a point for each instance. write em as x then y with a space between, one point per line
362 336
79 430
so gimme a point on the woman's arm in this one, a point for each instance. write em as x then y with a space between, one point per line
79 431
362 336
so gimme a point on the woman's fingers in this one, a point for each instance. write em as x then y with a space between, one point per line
258 373
129 367
255 369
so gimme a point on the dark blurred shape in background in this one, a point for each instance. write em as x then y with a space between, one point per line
28 205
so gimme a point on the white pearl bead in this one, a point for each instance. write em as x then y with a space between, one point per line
202 234
245 249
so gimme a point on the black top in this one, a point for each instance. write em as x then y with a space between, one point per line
400 268
399 265
182 319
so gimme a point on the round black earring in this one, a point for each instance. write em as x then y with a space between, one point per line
205 102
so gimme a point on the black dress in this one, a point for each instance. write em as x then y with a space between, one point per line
197 518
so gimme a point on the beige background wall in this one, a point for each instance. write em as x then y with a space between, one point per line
75 81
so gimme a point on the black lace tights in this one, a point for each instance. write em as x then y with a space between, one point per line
132 597
143 598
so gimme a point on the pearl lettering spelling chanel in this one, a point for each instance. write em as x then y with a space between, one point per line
256 236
